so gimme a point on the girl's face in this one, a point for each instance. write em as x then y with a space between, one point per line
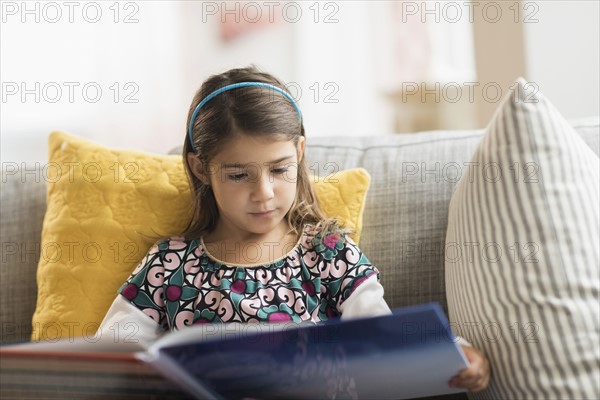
254 184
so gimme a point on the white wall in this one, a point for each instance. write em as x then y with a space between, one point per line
562 54
146 54
173 47
164 55
335 68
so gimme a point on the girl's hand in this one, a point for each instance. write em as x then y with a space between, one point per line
477 376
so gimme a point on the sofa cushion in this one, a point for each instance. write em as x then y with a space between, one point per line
106 208
522 254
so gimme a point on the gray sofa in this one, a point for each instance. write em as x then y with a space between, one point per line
404 222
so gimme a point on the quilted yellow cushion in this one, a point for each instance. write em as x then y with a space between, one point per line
105 206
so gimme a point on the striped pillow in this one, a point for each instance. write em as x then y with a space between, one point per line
522 254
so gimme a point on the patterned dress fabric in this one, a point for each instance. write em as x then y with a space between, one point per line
178 283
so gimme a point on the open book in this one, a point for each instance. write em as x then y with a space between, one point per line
410 353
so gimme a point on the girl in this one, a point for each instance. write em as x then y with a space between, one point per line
258 247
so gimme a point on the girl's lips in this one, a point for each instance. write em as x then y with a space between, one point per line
263 214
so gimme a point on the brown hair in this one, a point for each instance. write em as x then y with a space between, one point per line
254 111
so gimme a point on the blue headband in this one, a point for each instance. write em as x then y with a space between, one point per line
235 86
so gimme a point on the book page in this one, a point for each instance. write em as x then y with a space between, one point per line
220 332
79 344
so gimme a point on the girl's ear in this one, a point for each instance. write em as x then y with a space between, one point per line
300 148
196 167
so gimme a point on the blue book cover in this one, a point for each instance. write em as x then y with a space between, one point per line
410 353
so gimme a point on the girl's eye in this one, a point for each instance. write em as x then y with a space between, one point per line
236 177
280 171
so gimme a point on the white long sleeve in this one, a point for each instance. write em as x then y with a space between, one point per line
124 328
366 301
128 324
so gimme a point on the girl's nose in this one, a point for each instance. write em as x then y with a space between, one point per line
263 188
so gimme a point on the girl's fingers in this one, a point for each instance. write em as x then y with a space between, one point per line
472 385
473 372
469 379
476 377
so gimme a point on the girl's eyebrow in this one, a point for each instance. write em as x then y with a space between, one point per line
240 165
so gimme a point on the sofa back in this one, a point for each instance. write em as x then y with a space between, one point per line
22 209
404 221
406 212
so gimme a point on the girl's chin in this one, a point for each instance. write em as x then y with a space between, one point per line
262 225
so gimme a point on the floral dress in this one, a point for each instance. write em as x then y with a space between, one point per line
178 283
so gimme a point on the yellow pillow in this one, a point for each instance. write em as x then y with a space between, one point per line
103 205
